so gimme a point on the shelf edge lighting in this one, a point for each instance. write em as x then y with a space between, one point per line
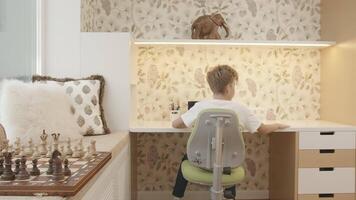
237 43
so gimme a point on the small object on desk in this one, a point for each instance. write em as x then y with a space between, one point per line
62 150
35 171
88 154
8 174
23 174
67 171
17 166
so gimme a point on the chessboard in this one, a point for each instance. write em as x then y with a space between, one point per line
82 171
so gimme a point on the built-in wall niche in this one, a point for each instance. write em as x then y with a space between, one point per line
277 79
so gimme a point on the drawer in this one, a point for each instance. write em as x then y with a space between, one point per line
326 180
326 158
327 140
349 196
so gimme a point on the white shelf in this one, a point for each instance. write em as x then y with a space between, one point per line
242 43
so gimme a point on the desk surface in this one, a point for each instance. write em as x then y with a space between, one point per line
295 126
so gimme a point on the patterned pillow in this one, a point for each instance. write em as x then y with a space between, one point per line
86 96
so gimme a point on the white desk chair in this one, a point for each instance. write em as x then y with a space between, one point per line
215 142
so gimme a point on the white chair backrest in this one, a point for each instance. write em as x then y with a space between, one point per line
200 147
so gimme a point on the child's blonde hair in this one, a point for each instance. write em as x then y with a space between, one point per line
221 76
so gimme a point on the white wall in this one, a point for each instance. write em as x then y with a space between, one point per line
70 53
62 38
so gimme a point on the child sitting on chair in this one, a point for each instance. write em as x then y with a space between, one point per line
222 80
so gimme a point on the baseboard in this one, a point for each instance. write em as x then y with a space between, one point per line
194 195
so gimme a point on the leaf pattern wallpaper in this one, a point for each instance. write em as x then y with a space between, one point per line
276 83
248 19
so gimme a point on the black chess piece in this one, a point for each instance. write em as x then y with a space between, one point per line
58 173
17 166
35 171
8 174
1 166
50 167
67 171
23 174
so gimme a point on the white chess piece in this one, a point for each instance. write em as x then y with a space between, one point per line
43 149
30 147
88 154
69 148
49 151
62 150
92 147
17 145
22 151
81 147
76 152
5 146
36 153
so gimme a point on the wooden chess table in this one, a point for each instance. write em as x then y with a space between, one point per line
43 185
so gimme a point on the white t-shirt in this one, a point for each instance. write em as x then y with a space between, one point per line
246 118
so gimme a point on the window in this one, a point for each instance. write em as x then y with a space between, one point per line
18 38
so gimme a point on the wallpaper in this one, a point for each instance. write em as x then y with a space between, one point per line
247 19
276 83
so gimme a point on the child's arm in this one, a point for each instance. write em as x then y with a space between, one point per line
269 128
178 123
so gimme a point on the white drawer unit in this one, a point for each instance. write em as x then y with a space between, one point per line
326 180
327 140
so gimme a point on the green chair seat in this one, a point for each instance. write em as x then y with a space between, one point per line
201 176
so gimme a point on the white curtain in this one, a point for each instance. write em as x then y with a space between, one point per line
17 38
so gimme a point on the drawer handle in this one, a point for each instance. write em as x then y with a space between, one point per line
326 169
327 133
327 150
326 195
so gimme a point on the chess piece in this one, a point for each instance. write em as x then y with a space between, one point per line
8 174
1 165
36 153
30 147
67 171
17 146
62 150
58 173
35 171
50 167
81 147
69 150
22 151
55 137
17 166
92 147
23 174
43 149
49 151
5 147
76 152
88 154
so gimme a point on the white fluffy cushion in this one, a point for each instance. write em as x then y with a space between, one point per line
28 108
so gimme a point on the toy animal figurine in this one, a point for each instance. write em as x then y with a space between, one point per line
206 27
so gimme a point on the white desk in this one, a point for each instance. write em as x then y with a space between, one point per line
316 162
